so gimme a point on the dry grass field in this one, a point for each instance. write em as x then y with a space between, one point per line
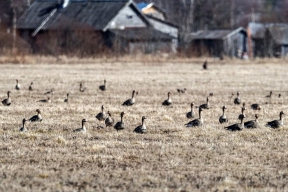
170 157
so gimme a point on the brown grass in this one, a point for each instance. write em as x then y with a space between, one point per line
169 157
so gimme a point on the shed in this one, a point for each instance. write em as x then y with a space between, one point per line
219 42
75 20
277 41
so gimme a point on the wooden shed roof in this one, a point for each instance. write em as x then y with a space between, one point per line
215 34
94 13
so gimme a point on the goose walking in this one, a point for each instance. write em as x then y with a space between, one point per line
81 88
49 92
223 118
237 100
109 121
103 87
205 105
141 128
130 101
256 106
191 114
101 116
67 98
37 117
196 122
168 101
237 126
7 101
83 128
17 86
30 87
252 124
23 128
120 124
48 100
276 123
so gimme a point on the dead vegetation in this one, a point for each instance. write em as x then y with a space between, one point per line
169 157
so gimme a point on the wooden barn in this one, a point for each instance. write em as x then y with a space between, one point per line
218 43
89 26
277 41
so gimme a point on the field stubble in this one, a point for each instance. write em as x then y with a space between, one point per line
169 157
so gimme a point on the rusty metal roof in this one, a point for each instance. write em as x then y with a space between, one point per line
93 13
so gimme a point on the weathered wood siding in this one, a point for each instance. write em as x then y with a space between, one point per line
284 51
165 28
150 47
126 18
234 44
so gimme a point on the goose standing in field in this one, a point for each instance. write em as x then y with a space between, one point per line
101 116
48 100
242 111
237 100
23 128
141 128
109 121
237 126
30 87
191 114
49 92
83 128
168 101
37 117
223 118
103 87
81 88
252 124
276 123
279 95
205 65
120 124
17 86
196 122
205 105
67 98
131 101
256 106
7 101
270 95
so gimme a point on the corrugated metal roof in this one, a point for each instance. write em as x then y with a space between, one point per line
142 34
215 34
279 34
94 13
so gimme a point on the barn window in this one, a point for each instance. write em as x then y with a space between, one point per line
129 16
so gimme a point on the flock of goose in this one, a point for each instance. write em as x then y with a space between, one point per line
109 122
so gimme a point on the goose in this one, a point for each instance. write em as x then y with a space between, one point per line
109 121
30 87
23 128
237 100
276 123
191 114
120 125
237 126
211 94
49 92
83 128
256 106
253 123
181 90
131 101
7 101
196 122
36 117
17 86
279 95
48 100
67 98
141 128
168 101
101 116
205 105
270 95
242 111
81 88
103 87
205 65
223 118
